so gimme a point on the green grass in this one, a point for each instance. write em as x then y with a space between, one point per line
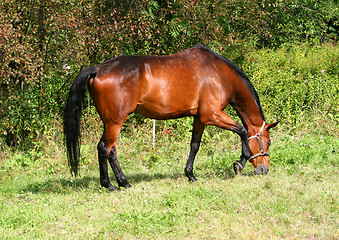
298 199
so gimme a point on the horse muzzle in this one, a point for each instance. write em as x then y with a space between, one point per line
261 170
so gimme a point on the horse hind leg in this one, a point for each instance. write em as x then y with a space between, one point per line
120 177
103 155
107 151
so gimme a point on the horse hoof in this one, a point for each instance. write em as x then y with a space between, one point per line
113 189
190 176
192 179
125 184
237 167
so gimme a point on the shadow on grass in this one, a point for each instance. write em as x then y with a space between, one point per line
224 174
66 185
148 177
61 185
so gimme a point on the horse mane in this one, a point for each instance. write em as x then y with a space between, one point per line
240 72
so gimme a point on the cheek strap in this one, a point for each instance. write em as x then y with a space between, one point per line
257 136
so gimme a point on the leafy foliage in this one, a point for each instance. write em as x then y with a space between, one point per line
44 44
298 84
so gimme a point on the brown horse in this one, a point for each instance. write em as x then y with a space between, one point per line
196 82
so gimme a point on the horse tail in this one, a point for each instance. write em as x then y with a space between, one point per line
72 117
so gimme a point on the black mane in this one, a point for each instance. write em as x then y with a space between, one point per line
241 73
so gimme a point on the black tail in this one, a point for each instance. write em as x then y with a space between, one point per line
72 116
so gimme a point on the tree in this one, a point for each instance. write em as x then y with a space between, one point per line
44 44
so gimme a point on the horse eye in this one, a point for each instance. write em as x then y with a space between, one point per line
269 142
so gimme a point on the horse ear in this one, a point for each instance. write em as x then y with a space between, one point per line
272 125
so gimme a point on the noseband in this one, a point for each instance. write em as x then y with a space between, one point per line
257 136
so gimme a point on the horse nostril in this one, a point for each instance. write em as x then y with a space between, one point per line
262 169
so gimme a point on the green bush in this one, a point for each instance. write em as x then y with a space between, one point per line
298 84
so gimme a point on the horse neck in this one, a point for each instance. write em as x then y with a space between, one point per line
247 108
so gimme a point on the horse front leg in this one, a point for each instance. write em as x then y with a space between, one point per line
198 129
238 166
222 120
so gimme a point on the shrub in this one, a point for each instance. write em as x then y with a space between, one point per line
297 84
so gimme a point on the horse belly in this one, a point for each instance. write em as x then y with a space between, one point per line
164 107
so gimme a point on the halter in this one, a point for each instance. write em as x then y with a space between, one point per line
257 136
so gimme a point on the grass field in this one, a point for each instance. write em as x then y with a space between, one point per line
298 199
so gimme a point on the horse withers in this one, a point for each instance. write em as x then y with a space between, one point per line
196 82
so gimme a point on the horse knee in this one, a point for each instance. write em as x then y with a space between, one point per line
242 132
